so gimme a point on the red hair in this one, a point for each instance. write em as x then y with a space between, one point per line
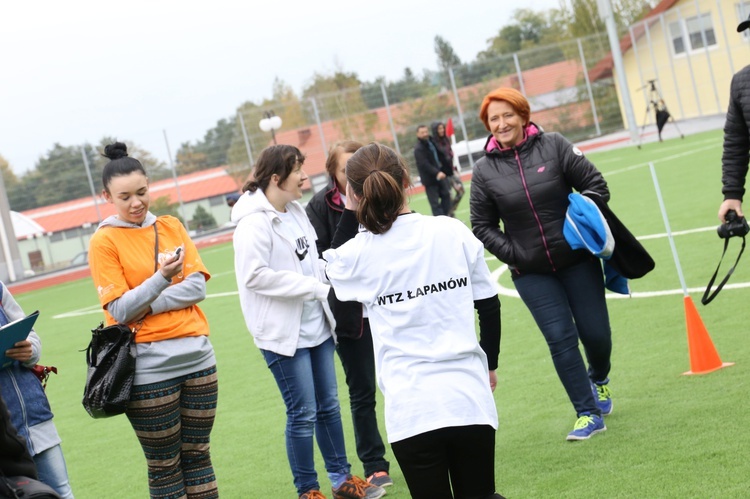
510 95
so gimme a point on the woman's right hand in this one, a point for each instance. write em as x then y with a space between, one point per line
173 266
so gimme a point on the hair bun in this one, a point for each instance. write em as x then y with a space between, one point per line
115 151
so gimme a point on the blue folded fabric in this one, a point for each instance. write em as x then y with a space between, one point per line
586 228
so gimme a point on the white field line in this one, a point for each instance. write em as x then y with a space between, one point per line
502 290
677 147
665 158
96 309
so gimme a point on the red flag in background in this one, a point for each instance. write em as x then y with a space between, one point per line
449 128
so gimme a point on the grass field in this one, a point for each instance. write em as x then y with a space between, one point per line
669 436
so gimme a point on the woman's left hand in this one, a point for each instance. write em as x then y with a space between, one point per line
21 351
173 266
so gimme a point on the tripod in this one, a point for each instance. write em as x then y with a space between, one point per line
661 113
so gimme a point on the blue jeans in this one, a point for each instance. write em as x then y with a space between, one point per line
358 360
50 466
568 306
307 382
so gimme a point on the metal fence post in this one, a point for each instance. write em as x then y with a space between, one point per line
708 56
461 116
519 73
91 184
176 183
724 30
320 127
247 141
690 63
588 87
667 43
390 118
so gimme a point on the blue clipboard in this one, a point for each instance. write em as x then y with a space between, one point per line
12 333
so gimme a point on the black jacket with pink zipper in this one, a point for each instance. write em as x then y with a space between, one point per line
519 197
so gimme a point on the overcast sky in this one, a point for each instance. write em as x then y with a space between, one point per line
75 71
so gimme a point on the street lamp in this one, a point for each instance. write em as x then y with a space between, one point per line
270 123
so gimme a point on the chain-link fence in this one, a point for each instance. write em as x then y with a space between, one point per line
553 78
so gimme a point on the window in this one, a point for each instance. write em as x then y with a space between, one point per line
688 33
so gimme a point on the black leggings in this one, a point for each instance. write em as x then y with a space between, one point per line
460 456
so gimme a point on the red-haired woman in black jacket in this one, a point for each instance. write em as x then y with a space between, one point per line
519 197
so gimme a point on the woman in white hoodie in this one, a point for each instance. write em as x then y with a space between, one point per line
284 301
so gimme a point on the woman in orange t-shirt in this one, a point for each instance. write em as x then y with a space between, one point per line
148 274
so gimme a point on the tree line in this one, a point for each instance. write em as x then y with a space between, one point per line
59 174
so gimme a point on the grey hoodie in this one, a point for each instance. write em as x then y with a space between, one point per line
167 359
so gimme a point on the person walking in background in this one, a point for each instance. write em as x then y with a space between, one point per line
524 181
418 278
352 329
736 154
445 153
28 405
284 302
148 274
431 174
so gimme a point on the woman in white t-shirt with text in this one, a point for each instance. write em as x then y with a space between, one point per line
420 279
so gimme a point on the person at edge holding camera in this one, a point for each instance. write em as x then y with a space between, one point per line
28 404
519 199
149 275
736 153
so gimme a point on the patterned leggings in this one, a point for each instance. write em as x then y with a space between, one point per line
173 419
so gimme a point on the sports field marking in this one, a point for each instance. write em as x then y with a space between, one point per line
502 290
679 147
660 160
97 309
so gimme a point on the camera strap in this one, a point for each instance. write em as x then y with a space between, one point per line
707 295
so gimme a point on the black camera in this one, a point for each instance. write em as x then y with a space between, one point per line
734 226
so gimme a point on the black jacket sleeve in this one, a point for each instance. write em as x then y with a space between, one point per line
318 221
580 173
488 310
426 166
348 314
734 159
485 221
347 228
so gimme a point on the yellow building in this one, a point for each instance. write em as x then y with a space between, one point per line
685 52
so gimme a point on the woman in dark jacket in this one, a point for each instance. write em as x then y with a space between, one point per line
352 329
445 152
523 182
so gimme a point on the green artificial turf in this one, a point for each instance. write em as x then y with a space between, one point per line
670 435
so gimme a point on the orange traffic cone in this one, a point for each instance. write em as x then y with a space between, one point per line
703 355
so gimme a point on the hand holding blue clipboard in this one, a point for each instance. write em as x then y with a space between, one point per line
12 333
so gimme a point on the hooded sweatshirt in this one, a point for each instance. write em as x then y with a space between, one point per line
171 339
276 293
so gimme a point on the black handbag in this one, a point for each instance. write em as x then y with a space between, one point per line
110 358
23 487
